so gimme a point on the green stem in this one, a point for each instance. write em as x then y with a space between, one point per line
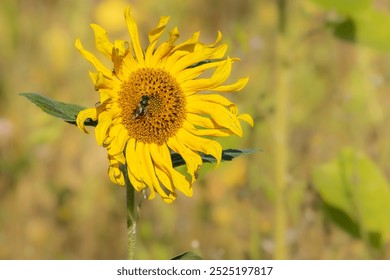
131 220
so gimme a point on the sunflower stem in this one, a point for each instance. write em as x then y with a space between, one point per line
131 220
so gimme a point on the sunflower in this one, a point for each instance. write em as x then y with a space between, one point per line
152 102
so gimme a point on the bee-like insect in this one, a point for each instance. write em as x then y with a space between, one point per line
142 107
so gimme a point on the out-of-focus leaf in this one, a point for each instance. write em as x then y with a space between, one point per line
64 111
371 28
359 23
357 195
350 226
187 256
343 220
227 155
345 6
345 30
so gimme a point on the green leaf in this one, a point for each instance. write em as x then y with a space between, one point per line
204 62
347 7
64 111
187 256
358 194
227 155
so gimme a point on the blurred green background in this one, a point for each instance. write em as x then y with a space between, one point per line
319 93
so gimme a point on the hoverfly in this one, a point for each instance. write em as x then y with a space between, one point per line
142 107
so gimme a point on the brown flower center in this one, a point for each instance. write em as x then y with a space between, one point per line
153 105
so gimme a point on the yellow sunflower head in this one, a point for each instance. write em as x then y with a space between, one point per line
152 103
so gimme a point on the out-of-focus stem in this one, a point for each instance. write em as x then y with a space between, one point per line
281 134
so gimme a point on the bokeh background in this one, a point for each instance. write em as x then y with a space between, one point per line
319 94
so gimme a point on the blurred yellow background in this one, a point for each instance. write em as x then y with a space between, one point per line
56 201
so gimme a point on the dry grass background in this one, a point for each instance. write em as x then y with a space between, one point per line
56 201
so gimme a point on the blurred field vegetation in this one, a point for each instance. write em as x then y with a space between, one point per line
319 93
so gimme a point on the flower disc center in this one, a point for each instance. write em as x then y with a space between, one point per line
153 105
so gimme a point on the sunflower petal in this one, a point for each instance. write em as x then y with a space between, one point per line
219 76
128 65
192 159
195 143
119 52
150 175
119 142
206 131
118 158
154 35
222 116
133 165
237 86
133 31
102 127
164 49
100 81
246 118
201 121
162 160
115 174
193 72
163 165
195 57
181 50
92 59
102 41
83 115
217 40
212 98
